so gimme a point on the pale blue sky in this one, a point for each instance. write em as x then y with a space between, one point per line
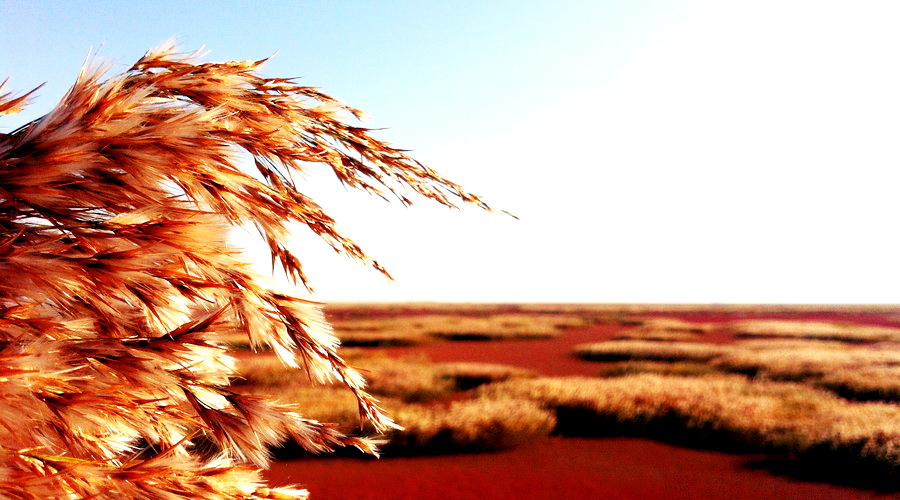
680 151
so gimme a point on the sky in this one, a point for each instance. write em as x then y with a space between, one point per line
654 151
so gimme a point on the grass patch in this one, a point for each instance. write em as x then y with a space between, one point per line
467 376
417 379
469 426
867 383
624 350
681 369
654 335
382 338
370 332
408 379
721 412
864 373
851 333
382 326
502 327
674 325
803 361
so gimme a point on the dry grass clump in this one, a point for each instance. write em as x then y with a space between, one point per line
620 350
469 426
369 332
422 328
863 373
854 372
361 331
651 334
382 337
851 371
674 325
799 361
679 368
409 379
728 406
467 375
588 314
814 330
500 327
870 383
420 380
496 327
722 411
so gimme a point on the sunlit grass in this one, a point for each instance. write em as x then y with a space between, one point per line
814 330
720 411
870 372
654 335
387 330
409 379
619 350
680 368
408 388
798 362
874 383
469 426
675 325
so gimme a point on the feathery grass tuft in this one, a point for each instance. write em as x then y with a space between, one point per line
119 285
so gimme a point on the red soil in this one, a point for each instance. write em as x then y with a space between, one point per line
613 468
556 468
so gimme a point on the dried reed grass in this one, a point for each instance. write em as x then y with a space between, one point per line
799 362
655 335
679 368
619 350
469 426
118 282
459 327
665 329
814 330
454 325
853 372
499 327
867 383
409 379
721 411
420 329
870 373
674 325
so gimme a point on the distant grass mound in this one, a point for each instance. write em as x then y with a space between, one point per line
620 350
390 330
814 330
858 372
725 412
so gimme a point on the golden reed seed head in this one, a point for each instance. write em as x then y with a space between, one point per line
118 283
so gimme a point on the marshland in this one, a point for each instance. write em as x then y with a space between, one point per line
797 398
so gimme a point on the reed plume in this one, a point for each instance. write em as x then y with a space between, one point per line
119 282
